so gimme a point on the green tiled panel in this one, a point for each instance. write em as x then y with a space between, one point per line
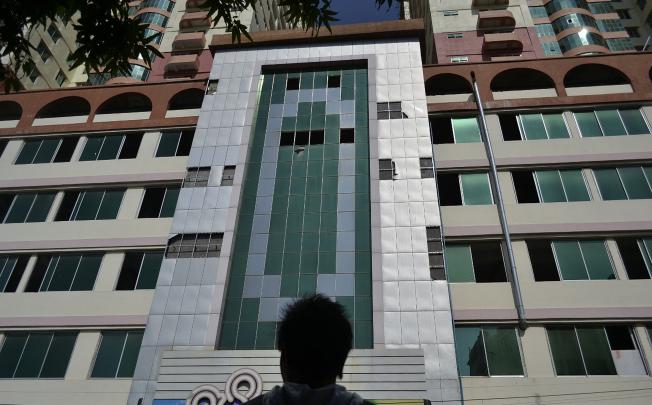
302 239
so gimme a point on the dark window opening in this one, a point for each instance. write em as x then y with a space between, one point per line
292 83
317 137
11 272
386 169
3 145
131 145
632 256
441 130
152 201
227 176
287 139
333 81
449 189
66 149
526 189
620 338
347 135
139 270
67 205
488 264
543 262
301 138
211 88
427 168
509 127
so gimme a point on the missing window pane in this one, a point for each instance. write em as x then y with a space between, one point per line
333 81
509 127
317 137
131 145
152 201
441 130
66 149
633 259
543 262
526 189
301 138
287 139
211 88
347 135
292 83
488 262
227 176
449 189
619 338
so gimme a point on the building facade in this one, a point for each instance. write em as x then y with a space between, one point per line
152 233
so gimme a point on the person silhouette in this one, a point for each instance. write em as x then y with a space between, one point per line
314 337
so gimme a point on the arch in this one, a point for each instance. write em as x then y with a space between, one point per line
594 74
10 111
186 99
126 103
65 107
521 79
447 83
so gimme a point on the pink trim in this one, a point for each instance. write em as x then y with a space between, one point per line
471 230
541 160
542 314
527 229
85 180
72 321
484 314
84 243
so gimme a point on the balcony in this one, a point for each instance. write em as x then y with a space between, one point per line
182 63
493 20
188 40
502 42
198 19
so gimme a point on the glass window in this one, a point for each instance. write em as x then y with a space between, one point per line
390 110
543 126
427 168
159 202
47 150
175 143
487 351
139 270
561 185
480 262
68 272
36 354
570 260
28 207
475 189
624 183
108 147
90 205
11 271
612 122
538 12
466 130
637 257
117 355
194 245
435 253
197 177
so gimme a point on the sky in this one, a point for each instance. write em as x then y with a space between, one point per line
358 11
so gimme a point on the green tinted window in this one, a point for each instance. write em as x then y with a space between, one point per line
47 150
609 184
533 126
56 362
550 186
565 350
634 122
89 265
169 202
596 351
36 354
503 354
110 147
598 262
130 354
588 124
459 264
88 205
149 270
12 348
574 185
116 357
92 148
555 125
41 207
167 146
28 152
469 350
466 130
475 189
101 204
33 355
569 260
20 208
636 185
110 204
610 122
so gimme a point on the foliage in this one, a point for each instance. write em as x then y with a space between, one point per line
107 38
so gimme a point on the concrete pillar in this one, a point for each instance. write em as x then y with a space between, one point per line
107 277
11 152
29 267
81 360
131 203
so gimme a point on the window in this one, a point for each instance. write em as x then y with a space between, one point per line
303 138
544 30
292 83
25 207
435 253
54 32
538 12
61 78
545 186
636 255
197 177
108 147
153 18
611 122
551 48
449 13
43 52
90 205
347 135
117 355
624 183
139 271
464 189
3 145
333 81
175 143
560 260
623 14
610 25
427 168
30 71
455 130
533 126
455 35
620 44
459 59
594 350
69 272
601 8
390 110
386 169
11 271
36 354
47 150
159 202
633 32
211 88
487 351
475 262
194 245
227 176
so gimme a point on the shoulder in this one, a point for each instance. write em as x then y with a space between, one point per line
256 401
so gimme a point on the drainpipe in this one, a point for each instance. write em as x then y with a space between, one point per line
495 187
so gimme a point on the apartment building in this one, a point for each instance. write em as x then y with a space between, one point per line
89 179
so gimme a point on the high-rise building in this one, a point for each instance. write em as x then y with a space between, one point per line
486 225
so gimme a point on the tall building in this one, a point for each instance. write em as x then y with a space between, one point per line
489 247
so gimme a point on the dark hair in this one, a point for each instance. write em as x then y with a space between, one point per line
314 337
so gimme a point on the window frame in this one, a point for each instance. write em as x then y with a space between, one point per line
620 118
586 266
81 195
563 186
165 194
29 211
123 141
141 261
122 351
521 127
491 193
181 134
484 349
622 184
192 173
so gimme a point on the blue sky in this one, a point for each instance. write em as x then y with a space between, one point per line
359 11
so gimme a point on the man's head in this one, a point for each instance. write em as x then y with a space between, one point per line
314 338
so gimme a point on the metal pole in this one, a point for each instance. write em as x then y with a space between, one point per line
495 186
